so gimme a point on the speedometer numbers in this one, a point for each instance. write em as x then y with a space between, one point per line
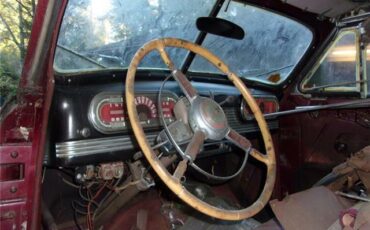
146 109
108 111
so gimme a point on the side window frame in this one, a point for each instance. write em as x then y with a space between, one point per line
358 89
365 62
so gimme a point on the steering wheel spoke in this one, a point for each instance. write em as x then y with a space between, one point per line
180 169
192 150
180 77
185 85
239 140
259 156
196 143
245 145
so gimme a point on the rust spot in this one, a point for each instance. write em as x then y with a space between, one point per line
269 148
8 215
219 64
274 78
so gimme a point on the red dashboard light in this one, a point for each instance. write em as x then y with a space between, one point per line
266 104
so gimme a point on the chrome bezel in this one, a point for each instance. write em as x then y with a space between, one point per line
93 113
244 104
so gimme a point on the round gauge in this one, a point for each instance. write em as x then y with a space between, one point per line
111 112
106 112
168 104
246 111
266 104
146 109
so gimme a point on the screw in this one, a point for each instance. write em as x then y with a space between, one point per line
13 189
14 154
85 132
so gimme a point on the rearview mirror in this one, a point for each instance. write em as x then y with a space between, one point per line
220 27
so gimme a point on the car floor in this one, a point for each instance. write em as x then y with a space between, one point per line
152 210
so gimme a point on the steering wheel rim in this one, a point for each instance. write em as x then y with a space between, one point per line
172 181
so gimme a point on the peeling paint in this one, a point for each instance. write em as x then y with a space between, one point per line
25 133
24 225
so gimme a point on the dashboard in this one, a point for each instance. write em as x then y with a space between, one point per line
90 122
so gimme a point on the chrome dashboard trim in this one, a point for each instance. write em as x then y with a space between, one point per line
80 148
70 149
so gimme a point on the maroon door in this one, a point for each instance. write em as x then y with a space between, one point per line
23 125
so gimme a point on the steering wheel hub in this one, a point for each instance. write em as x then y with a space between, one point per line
207 116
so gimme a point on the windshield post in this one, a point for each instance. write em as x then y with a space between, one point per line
200 37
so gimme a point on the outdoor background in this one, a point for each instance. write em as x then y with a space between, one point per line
15 27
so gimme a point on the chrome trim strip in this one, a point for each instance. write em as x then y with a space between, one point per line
80 148
71 149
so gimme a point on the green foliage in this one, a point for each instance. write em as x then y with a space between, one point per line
15 27
10 67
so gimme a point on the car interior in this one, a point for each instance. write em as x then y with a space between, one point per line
215 114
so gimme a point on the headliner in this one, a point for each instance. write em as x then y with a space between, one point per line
332 8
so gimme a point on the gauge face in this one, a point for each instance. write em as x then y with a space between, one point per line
111 112
108 111
146 109
266 105
168 104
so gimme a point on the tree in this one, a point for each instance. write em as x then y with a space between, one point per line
15 28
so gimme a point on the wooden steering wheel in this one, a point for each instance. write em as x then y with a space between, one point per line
208 122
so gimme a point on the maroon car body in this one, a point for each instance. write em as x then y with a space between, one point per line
307 144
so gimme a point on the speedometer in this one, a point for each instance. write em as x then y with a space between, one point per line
146 109
107 112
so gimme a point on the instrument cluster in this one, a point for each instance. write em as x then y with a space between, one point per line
108 114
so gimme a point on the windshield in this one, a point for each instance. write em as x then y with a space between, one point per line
106 34
272 47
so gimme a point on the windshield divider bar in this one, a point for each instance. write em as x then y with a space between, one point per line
200 37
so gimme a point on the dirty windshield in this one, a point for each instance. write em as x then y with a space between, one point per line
106 34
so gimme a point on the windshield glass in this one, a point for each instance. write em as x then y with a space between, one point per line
272 47
106 34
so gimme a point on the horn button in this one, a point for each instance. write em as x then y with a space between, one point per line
208 116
